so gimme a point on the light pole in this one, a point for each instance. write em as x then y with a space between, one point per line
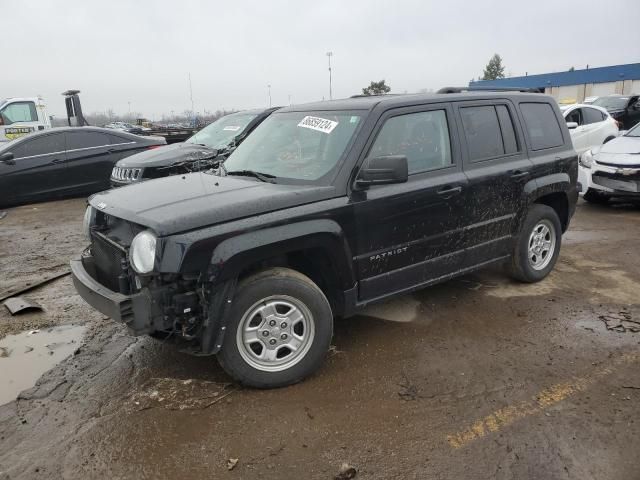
269 87
329 55
129 109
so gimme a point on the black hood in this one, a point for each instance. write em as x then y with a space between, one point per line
166 155
185 202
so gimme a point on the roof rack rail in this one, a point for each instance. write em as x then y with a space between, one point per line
489 89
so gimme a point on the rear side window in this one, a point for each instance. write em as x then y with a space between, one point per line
423 137
77 140
591 115
116 139
489 131
542 125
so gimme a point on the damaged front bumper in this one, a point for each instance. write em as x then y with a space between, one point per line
134 310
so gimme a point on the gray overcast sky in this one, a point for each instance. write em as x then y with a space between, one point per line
141 51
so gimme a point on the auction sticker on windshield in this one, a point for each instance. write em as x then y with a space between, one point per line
232 128
319 124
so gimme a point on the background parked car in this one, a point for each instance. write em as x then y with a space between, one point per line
612 170
625 109
589 126
203 150
64 162
589 100
127 127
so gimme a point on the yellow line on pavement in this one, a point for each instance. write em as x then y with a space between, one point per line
543 400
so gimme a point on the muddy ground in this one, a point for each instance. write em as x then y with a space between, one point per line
478 378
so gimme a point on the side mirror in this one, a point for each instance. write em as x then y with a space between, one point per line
572 125
7 158
383 170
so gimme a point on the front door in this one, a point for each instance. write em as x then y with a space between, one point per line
38 171
410 234
580 135
17 119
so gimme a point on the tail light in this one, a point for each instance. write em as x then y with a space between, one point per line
151 147
618 124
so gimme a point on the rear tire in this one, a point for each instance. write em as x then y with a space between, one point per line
279 329
538 245
593 196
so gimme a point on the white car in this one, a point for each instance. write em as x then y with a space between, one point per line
590 126
612 169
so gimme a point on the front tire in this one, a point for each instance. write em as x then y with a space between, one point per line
538 245
279 330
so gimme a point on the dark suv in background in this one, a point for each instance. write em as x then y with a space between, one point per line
203 150
326 208
625 109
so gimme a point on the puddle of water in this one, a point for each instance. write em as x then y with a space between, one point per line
26 356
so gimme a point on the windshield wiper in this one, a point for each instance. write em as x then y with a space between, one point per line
263 177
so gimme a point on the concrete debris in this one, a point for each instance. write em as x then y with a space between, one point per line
620 322
231 463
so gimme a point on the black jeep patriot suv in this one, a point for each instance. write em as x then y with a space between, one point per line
325 208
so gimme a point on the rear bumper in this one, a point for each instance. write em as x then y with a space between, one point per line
133 310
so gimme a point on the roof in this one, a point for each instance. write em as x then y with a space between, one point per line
391 101
630 71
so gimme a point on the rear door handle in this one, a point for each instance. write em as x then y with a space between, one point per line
57 161
516 174
448 192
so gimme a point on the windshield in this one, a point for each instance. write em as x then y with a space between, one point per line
220 133
634 132
612 103
296 147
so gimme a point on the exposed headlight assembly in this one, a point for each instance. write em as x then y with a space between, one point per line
586 159
143 252
88 220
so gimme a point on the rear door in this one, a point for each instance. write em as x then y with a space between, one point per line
90 160
38 172
598 129
497 167
410 233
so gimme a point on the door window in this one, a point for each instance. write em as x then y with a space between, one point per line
40 145
423 137
591 115
542 125
489 132
78 140
19 112
575 116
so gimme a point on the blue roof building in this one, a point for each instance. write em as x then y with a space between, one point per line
575 86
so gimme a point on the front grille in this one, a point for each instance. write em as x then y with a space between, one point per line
126 174
623 173
109 258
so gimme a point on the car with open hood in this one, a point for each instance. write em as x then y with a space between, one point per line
324 209
201 151
613 169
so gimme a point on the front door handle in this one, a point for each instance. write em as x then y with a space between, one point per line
448 192
57 161
517 174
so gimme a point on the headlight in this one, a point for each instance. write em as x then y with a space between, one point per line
586 159
89 219
143 252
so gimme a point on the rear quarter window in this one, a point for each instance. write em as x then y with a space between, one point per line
542 125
